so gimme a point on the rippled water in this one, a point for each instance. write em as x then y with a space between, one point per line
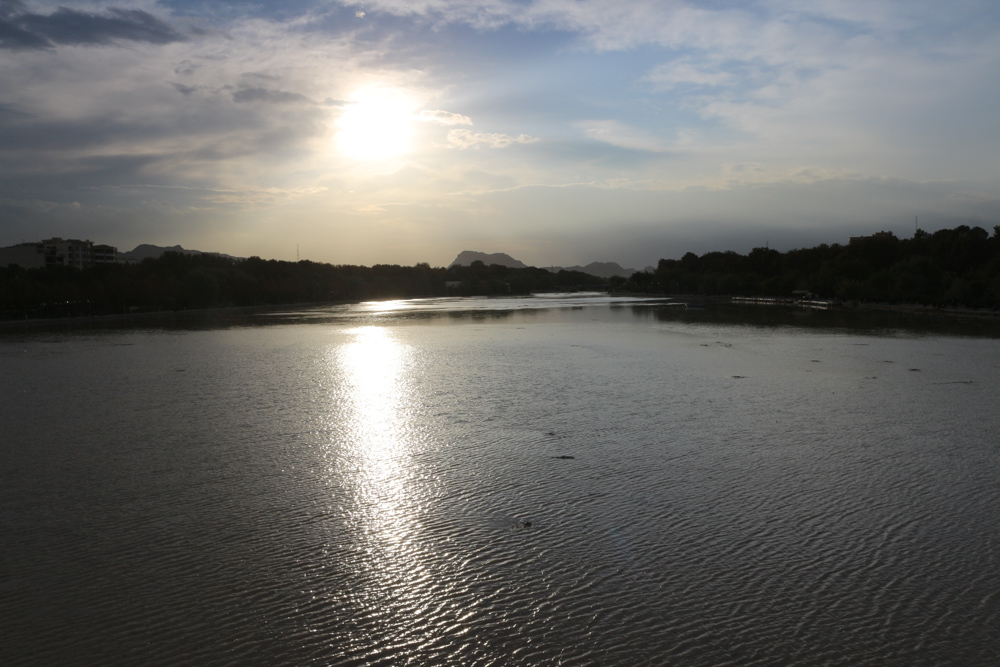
526 481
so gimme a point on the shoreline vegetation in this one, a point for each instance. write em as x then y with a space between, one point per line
952 272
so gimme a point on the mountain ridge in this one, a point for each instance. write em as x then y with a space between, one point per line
145 250
467 257
598 269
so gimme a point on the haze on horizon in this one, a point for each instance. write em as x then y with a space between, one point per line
559 132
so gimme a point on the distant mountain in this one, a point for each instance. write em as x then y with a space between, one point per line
145 250
467 257
599 269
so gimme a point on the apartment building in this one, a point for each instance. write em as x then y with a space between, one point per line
58 252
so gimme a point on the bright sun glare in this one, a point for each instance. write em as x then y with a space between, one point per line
377 126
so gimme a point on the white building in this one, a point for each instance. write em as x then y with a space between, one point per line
58 252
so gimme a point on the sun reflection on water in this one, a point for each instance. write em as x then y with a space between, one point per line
380 443
393 305
375 369
374 365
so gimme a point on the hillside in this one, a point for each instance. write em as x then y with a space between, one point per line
147 250
599 269
467 257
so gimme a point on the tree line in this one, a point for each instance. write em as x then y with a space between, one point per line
955 267
177 281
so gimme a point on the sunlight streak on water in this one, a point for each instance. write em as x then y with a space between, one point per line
376 307
381 440
376 392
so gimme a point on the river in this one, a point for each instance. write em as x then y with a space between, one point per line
574 480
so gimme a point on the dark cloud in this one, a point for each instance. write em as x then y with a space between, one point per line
9 7
13 37
24 134
43 177
45 157
269 96
262 76
186 68
20 30
8 113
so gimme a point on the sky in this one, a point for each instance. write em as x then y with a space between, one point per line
558 131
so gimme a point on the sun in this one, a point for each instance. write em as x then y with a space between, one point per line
376 126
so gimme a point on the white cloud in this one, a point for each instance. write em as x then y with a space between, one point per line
616 24
469 139
679 72
830 76
443 117
618 134
607 24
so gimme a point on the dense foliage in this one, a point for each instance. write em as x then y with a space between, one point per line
176 281
958 266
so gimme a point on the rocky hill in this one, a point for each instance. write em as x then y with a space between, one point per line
467 257
599 269
145 250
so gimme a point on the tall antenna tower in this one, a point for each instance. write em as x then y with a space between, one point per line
296 252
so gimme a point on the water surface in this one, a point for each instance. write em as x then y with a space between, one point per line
555 480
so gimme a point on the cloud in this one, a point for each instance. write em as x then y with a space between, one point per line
14 37
8 7
618 134
231 111
443 117
68 26
607 24
186 68
679 72
261 197
269 96
623 24
233 131
468 139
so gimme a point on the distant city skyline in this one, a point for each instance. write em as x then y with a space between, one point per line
560 133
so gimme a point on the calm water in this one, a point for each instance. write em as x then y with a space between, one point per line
389 484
